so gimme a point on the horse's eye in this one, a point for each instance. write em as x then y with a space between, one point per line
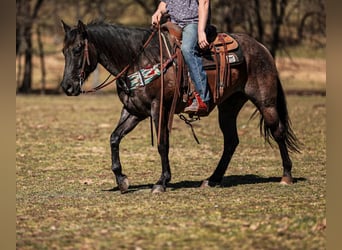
77 50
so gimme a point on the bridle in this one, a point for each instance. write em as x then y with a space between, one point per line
105 83
85 59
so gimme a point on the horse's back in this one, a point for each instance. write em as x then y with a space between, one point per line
252 49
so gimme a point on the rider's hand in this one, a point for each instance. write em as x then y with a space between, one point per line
202 40
156 18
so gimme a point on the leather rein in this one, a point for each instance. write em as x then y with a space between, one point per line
105 83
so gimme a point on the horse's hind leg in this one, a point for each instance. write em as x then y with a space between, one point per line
228 112
126 124
278 131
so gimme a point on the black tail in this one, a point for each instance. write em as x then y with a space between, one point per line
291 140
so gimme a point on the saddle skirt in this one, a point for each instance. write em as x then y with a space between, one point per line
226 44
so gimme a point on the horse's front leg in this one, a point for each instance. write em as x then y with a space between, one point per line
126 124
163 149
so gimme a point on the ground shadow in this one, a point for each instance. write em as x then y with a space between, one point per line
132 188
228 181
235 180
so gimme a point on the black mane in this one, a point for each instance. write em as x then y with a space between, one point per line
123 44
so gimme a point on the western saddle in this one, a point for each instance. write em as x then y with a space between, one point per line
220 46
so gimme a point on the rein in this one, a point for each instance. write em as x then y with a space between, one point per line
161 86
105 83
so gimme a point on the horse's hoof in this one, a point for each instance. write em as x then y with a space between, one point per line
205 184
124 185
158 189
286 180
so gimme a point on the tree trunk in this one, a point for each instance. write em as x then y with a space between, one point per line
276 22
27 79
28 23
260 25
19 70
42 60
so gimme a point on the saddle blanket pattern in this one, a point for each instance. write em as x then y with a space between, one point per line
144 76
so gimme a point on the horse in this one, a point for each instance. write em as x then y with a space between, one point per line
123 50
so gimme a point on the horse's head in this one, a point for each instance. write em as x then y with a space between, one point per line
80 58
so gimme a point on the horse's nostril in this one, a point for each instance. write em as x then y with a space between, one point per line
69 90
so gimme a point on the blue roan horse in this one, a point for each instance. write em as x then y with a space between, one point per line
116 48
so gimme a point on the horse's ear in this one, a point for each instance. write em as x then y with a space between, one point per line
65 26
82 28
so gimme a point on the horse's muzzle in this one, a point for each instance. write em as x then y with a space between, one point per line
70 89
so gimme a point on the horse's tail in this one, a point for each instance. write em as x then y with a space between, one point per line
291 140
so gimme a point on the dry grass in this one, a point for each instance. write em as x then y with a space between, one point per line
302 73
65 197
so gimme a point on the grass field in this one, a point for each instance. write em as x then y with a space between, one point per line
65 196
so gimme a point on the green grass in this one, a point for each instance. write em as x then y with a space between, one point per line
65 197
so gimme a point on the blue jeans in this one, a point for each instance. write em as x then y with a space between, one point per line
192 57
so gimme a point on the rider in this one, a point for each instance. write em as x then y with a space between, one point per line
192 16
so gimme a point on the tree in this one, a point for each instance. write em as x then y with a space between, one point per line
277 18
312 21
26 21
259 21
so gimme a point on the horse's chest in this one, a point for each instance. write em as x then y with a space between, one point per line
136 103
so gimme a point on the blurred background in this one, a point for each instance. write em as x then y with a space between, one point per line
293 30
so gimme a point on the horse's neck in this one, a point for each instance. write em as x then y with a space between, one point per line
116 52
108 64
105 58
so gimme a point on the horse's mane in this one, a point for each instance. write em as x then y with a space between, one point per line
122 43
